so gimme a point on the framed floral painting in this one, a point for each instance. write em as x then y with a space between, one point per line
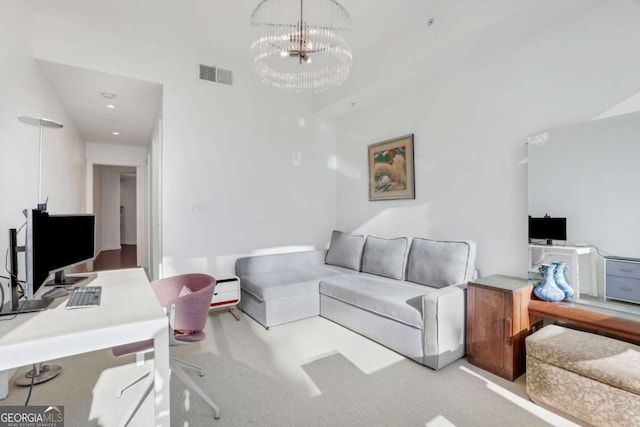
391 170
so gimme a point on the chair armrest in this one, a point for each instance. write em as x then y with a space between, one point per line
444 317
275 262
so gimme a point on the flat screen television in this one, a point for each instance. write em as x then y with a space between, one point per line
53 244
548 229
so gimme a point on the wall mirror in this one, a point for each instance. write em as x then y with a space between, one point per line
589 173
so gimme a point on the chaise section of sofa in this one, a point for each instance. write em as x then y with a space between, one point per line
408 296
282 288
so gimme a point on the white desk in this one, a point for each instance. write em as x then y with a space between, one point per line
128 312
573 252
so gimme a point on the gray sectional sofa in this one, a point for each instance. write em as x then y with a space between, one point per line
406 294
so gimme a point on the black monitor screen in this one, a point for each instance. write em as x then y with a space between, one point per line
71 240
548 228
55 242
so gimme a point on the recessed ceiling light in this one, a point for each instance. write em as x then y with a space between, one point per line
115 133
108 95
110 106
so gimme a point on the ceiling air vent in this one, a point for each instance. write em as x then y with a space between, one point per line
215 74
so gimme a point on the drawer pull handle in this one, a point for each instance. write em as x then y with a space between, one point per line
626 270
507 332
626 288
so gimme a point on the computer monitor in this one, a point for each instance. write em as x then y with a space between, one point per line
55 243
548 229
36 251
71 242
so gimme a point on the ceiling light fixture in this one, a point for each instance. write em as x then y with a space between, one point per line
301 29
110 106
115 133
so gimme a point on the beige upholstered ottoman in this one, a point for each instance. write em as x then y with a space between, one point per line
589 378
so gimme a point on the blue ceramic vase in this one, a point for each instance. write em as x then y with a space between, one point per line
560 276
547 290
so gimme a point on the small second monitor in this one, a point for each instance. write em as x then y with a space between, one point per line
548 229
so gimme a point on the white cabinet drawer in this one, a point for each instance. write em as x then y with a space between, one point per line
624 289
622 281
226 287
623 269
225 296
226 292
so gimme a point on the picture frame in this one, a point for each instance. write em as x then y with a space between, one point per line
391 169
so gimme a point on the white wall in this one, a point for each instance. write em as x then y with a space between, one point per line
470 128
589 174
248 167
244 166
128 201
155 202
24 91
97 209
109 208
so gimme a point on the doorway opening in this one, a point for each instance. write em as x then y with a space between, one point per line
115 204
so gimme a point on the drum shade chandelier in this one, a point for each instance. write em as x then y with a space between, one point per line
299 45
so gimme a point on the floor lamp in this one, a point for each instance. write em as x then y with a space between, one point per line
40 372
42 123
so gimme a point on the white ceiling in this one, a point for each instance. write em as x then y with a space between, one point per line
389 33
80 91
223 25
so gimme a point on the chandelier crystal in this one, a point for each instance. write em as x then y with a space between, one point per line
299 44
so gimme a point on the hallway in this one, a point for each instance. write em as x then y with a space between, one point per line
116 259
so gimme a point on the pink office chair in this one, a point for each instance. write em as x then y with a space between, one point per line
187 299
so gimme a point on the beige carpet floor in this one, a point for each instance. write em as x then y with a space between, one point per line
307 373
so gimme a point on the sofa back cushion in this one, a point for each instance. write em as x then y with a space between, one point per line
385 257
440 263
345 250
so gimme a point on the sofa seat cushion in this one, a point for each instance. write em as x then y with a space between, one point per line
287 283
600 358
393 299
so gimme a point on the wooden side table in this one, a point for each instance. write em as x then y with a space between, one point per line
498 323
